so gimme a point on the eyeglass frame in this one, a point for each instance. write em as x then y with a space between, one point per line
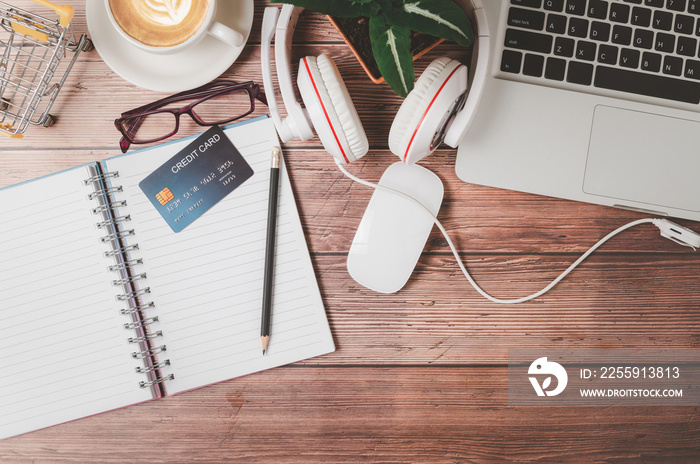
202 93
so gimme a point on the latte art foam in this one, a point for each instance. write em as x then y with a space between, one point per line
160 23
164 12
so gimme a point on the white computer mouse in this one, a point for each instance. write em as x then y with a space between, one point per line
394 229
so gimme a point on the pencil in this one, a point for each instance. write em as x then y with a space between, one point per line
270 248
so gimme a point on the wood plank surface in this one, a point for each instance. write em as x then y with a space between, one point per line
419 375
381 414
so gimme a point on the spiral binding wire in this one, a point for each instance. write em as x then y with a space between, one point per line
101 177
109 238
113 225
148 353
141 323
145 370
129 279
105 208
149 336
117 220
105 191
125 265
119 251
137 308
155 382
135 294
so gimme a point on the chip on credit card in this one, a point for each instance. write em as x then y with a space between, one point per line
196 178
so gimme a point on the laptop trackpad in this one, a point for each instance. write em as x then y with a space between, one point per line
643 157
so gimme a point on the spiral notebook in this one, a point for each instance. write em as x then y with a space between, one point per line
102 306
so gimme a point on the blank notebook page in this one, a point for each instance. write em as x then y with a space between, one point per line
206 281
63 348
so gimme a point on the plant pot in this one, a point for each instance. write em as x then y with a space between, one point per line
355 32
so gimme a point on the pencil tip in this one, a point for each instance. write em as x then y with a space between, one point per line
263 352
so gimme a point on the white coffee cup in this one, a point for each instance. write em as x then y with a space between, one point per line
209 26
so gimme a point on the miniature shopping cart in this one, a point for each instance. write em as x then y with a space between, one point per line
31 49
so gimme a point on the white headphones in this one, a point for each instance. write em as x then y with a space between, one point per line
437 108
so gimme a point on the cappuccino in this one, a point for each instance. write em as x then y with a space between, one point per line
160 23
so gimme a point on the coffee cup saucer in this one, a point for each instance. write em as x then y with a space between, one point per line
173 72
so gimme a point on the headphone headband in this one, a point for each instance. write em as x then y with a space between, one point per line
282 24
463 119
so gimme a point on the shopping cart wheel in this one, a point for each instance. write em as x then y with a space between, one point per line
49 121
88 46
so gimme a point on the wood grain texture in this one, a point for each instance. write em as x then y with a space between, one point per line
359 414
420 375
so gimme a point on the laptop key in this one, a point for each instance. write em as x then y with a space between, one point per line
693 6
533 65
528 41
675 5
580 73
555 69
651 62
643 38
554 5
640 17
665 42
578 27
607 54
619 13
651 85
692 69
686 46
585 51
511 61
598 9
662 20
622 35
600 31
528 19
673 65
629 58
564 47
556 24
577 7
684 24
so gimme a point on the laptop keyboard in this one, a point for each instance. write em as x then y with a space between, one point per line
642 47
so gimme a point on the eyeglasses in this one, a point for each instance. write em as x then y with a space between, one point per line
219 102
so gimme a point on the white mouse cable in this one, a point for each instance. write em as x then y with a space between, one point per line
670 230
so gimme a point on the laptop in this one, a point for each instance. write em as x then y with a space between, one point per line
590 100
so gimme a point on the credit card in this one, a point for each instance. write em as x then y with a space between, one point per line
196 178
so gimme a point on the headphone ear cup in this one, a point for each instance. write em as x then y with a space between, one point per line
413 113
331 109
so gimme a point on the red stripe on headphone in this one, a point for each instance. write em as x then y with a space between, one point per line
405 156
308 70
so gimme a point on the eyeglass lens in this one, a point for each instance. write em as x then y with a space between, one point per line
223 108
163 122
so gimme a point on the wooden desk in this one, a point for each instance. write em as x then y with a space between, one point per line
420 375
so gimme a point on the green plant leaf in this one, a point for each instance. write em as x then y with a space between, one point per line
391 46
440 18
339 8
